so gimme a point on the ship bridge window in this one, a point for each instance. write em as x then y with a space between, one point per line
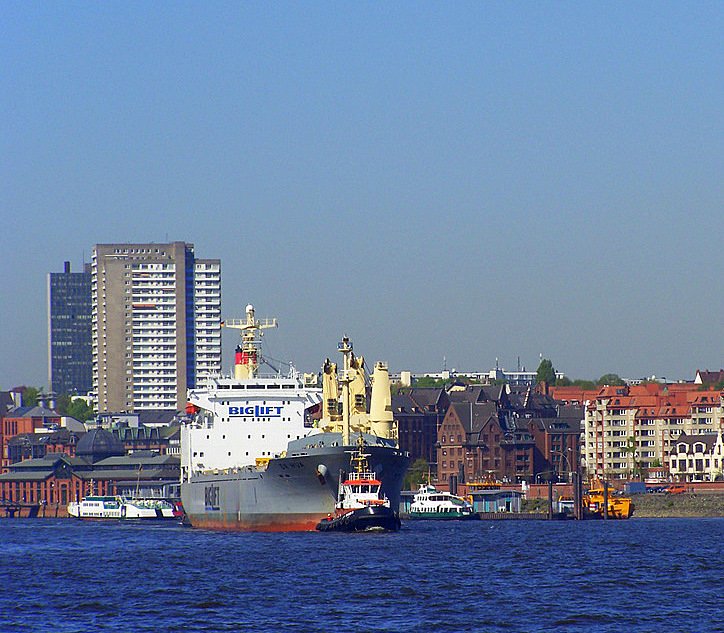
287 386
272 386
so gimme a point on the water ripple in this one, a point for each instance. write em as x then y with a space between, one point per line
638 576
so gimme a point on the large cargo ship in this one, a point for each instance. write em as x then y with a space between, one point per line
266 452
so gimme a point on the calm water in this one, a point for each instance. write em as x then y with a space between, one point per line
639 575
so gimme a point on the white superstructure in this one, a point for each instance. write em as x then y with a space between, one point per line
238 422
248 418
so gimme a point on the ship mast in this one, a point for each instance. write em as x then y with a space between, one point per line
345 347
247 354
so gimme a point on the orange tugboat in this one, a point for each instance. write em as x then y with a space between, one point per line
594 504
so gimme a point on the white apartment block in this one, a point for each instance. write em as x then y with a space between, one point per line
207 318
629 429
156 324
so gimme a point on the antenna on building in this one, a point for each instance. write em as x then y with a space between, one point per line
518 363
444 363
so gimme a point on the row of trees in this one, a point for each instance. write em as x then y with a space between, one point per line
65 404
547 373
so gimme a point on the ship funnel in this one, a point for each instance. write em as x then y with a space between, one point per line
381 406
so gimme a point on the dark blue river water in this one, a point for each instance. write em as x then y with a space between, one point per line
638 575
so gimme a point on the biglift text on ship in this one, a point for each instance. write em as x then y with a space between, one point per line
258 411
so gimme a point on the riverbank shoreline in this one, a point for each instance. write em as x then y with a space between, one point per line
701 505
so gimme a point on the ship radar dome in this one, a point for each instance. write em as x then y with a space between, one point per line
249 308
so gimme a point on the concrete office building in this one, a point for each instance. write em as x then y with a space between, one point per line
156 324
70 363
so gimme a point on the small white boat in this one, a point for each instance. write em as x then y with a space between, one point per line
431 503
115 507
96 507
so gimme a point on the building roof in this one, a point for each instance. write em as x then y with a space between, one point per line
61 436
48 462
707 377
98 444
6 402
708 439
475 416
426 397
32 412
138 458
157 418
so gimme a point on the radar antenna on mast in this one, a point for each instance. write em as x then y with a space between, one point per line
248 352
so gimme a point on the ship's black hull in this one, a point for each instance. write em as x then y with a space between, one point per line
362 520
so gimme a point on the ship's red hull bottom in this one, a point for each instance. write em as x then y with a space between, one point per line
257 523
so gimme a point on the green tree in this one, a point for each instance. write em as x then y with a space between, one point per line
62 403
589 385
427 381
79 410
611 379
546 373
30 396
632 449
563 381
417 474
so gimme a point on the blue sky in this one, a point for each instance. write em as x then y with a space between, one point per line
467 181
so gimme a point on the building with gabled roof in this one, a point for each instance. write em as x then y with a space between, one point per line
709 378
697 457
511 432
19 420
419 412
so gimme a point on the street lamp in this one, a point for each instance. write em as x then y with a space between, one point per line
568 462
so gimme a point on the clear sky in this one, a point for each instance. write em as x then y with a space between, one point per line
467 181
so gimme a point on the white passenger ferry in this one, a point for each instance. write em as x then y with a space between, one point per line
115 507
431 503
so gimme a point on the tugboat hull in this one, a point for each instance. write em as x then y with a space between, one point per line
362 520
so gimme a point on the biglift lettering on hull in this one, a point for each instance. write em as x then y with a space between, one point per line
257 411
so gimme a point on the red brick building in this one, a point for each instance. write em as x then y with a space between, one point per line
419 412
509 433
23 420
100 467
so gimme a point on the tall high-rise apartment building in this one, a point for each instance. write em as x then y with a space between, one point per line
70 364
156 324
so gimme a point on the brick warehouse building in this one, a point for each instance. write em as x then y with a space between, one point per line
24 420
99 467
419 413
508 433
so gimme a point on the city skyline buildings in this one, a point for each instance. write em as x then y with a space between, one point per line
70 361
156 324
